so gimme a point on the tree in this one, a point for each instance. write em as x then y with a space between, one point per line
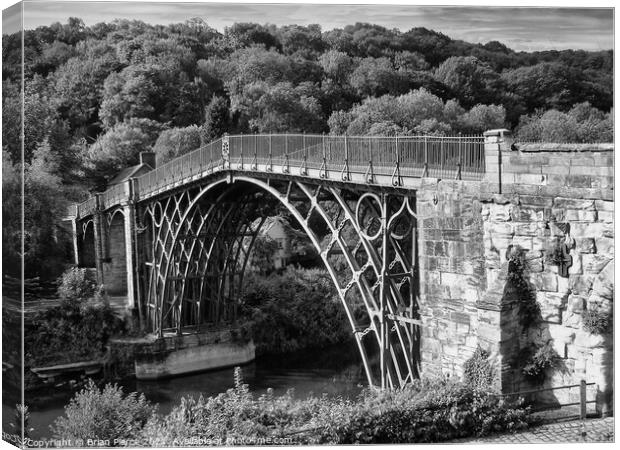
176 142
472 80
119 147
483 117
305 41
280 108
377 76
217 118
582 123
248 34
545 85
337 65
78 86
153 91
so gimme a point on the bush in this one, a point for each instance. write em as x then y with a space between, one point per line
294 310
517 286
70 332
427 411
103 414
77 284
478 372
538 362
597 320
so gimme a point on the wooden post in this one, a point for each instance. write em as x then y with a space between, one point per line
583 399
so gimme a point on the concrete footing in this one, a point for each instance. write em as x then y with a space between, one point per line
193 352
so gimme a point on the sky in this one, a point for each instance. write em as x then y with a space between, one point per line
524 28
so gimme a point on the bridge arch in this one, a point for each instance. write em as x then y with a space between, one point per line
115 260
87 254
202 239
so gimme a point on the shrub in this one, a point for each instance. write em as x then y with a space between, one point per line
77 284
538 362
70 332
518 287
478 372
293 310
103 414
427 411
597 320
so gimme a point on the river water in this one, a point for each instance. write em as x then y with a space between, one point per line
336 371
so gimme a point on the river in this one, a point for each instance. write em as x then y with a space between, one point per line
336 371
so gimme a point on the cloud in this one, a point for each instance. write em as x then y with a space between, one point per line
518 28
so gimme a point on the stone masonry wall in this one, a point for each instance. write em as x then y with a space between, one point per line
115 267
532 198
452 270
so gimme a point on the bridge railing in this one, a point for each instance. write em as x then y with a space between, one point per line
459 157
197 161
432 156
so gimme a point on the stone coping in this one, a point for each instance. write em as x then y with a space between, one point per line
550 147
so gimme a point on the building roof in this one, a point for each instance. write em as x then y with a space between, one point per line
129 172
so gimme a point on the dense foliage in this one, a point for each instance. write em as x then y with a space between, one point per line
427 411
95 96
76 330
296 309
103 414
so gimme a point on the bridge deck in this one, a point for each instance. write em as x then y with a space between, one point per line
388 161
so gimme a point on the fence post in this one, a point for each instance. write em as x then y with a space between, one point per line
583 399
270 164
241 153
425 173
345 169
458 172
324 165
396 179
304 165
285 169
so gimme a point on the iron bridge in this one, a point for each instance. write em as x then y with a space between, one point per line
176 241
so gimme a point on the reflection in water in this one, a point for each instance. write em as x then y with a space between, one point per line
336 371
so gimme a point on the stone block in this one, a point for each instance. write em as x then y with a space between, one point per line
545 282
580 215
526 228
595 229
571 320
522 241
606 216
498 228
552 299
539 243
576 303
603 286
570 203
524 214
585 245
581 284
576 267
558 214
594 263
536 200
530 178
604 205
604 245
499 213
563 285
534 265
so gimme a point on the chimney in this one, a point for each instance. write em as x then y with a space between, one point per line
148 158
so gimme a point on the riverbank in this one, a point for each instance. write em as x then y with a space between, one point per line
432 410
335 371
